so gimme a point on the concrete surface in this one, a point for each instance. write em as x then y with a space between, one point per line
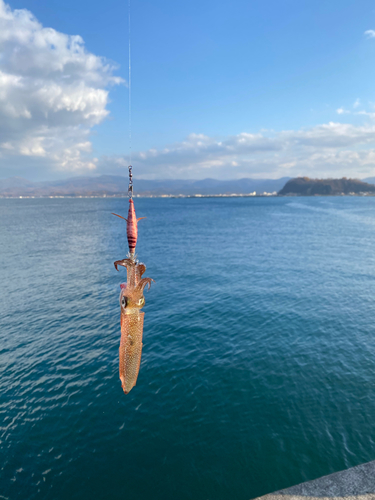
357 483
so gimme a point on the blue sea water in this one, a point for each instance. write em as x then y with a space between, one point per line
258 366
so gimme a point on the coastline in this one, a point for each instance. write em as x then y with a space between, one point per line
232 195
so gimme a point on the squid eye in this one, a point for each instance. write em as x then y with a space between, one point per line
123 302
141 301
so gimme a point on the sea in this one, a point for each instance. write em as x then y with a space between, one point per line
258 364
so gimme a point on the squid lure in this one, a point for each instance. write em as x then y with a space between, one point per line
131 303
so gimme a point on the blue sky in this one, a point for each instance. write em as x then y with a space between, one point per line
240 89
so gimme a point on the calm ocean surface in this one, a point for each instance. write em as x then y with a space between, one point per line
258 367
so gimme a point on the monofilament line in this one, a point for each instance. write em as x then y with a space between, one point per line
130 90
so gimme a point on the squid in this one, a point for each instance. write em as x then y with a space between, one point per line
131 303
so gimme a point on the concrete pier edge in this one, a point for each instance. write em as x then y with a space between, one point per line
356 483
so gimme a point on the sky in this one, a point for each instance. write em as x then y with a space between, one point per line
247 88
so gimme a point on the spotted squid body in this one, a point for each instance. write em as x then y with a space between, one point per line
131 302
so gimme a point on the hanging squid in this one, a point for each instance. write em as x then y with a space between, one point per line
131 302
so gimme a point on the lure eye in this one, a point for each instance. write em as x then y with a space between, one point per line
123 302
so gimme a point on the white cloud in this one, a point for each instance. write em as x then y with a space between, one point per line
370 114
324 150
369 34
52 91
342 111
332 135
356 103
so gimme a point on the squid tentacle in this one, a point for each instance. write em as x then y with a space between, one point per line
142 283
120 263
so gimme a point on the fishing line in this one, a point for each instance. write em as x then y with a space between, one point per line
131 297
130 90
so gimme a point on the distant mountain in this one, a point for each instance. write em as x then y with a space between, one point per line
118 185
15 183
303 186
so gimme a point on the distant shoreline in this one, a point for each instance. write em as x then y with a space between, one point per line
108 186
267 195
125 196
117 187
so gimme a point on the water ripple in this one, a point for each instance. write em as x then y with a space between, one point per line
258 362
